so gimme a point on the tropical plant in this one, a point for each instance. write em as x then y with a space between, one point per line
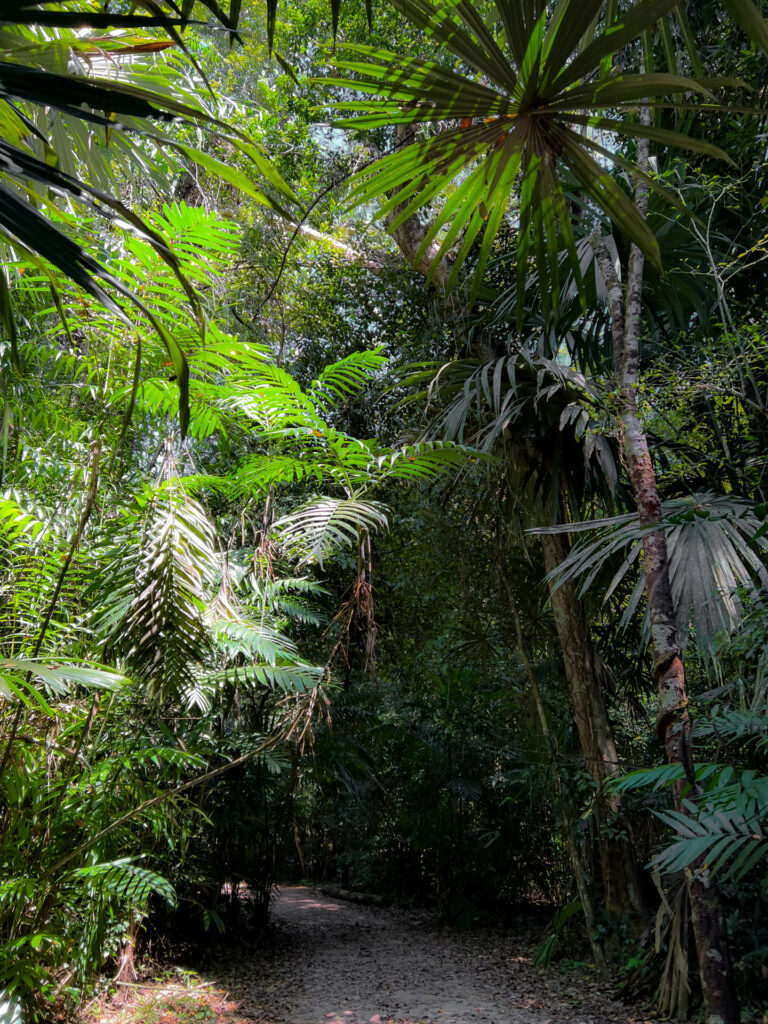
62 127
722 825
713 543
106 778
544 419
66 888
455 770
551 100
554 83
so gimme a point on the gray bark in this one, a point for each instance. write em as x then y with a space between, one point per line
673 725
410 236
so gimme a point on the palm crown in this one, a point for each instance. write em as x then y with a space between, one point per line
536 101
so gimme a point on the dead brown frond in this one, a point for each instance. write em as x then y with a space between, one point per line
672 926
355 624
299 713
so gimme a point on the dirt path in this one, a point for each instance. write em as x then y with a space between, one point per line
335 962
351 964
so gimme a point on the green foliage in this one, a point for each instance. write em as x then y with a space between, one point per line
713 543
51 147
554 941
726 836
522 112
179 1009
67 894
153 603
288 643
722 832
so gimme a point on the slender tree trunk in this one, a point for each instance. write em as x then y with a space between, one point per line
620 875
126 961
580 877
622 891
411 233
673 725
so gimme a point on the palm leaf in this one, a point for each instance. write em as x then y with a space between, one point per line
122 879
714 547
324 525
515 111
38 80
152 604
727 837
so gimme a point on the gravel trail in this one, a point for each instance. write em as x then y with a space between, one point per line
330 961
343 963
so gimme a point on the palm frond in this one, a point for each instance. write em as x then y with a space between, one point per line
324 525
724 832
35 79
128 882
152 607
291 679
423 460
714 545
254 641
508 121
542 411
347 377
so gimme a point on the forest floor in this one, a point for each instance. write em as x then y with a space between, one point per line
335 962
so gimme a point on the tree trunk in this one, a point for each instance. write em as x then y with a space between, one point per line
622 891
580 877
126 961
410 235
673 725
620 875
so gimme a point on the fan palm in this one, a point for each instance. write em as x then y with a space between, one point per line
713 543
533 102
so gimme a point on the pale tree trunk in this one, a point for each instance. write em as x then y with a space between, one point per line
126 961
410 235
673 725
